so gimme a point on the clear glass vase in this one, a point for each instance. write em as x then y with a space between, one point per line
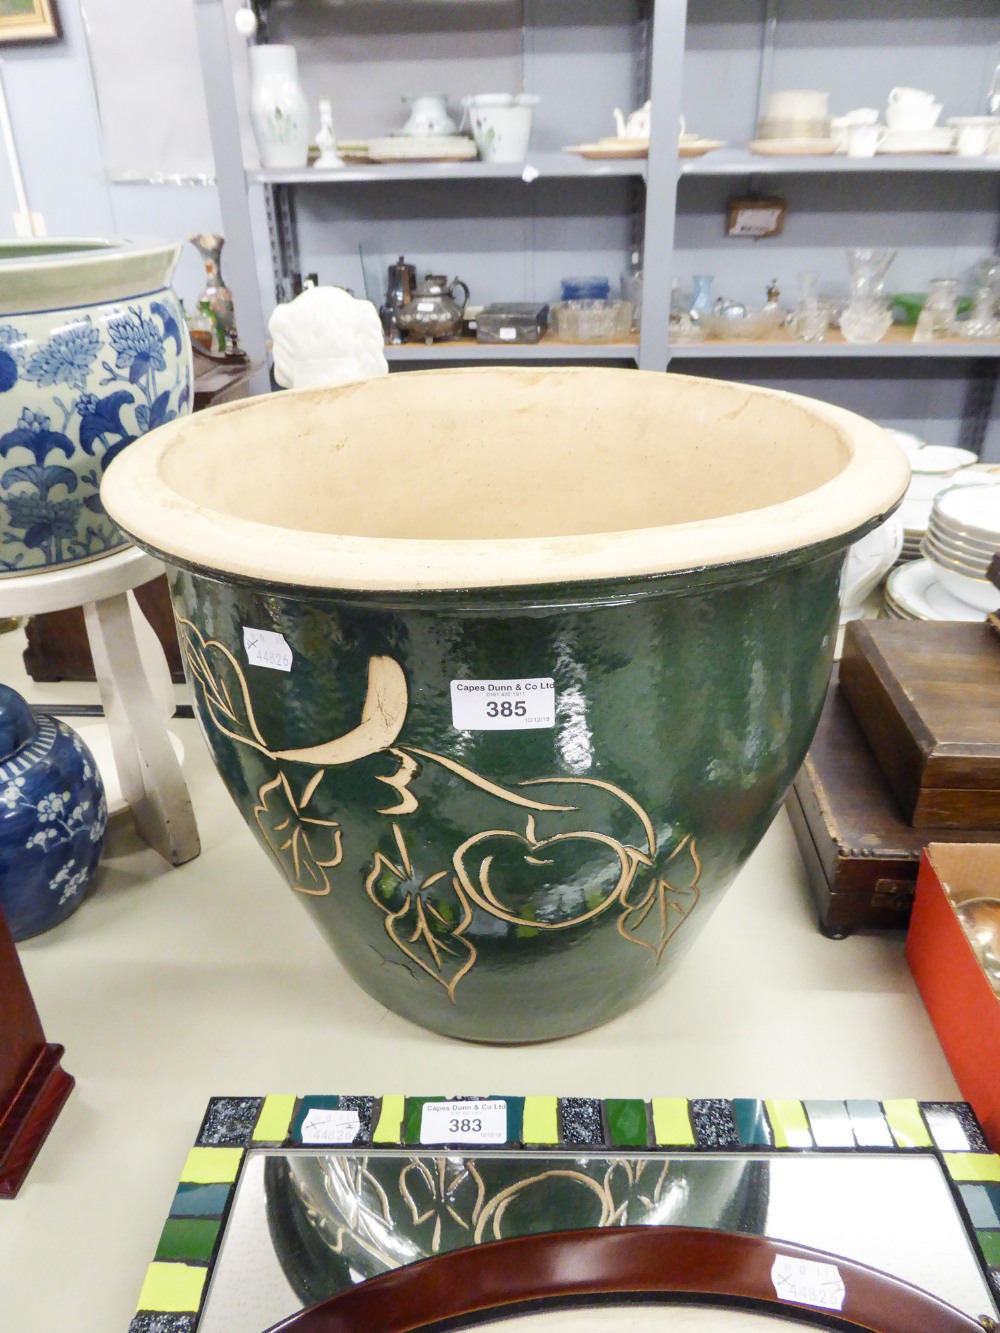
867 317
811 319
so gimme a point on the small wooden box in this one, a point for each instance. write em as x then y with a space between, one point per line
927 697
860 854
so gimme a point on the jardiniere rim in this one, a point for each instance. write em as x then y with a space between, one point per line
148 492
53 273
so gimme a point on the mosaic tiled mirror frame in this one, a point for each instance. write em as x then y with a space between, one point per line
177 1281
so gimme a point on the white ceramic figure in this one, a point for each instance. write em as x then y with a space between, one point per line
279 113
326 336
637 125
326 137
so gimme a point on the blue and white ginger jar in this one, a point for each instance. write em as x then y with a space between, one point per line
94 352
52 818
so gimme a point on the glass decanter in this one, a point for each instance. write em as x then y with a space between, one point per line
940 311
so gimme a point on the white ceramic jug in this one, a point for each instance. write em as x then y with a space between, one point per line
428 115
279 112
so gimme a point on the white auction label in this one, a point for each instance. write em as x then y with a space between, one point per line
808 1282
503 705
328 1126
267 648
464 1122
508 335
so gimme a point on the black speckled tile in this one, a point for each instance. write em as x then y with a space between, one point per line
954 1127
714 1123
229 1122
582 1123
148 1321
365 1107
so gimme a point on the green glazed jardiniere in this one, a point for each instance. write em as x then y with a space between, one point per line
509 670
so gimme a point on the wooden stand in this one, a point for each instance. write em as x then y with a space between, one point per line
33 1086
132 676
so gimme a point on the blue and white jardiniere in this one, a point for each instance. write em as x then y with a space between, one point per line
94 352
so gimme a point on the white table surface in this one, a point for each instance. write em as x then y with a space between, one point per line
171 985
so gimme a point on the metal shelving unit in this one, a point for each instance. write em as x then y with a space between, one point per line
516 224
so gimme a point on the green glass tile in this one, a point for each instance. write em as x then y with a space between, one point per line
906 1123
305 1106
989 1243
788 1121
212 1166
200 1200
188 1238
830 1124
672 1122
869 1124
982 1166
627 1122
541 1120
751 1122
412 1116
983 1204
390 1120
172 1288
275 1118
515 1118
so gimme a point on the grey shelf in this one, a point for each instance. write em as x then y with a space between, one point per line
742 162
551 166
407 353
798 351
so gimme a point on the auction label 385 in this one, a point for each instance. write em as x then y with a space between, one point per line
524 704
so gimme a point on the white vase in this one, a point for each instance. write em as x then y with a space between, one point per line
279 112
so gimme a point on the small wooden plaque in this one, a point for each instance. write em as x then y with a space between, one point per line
927 697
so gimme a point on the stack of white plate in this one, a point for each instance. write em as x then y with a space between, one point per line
935 467
963 536
914 592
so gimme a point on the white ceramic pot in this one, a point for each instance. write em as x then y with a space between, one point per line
428 115
94 352
501 124
279 112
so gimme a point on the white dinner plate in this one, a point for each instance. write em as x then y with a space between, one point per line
916 591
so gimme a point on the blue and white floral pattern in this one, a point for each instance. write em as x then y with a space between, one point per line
53 815
76 388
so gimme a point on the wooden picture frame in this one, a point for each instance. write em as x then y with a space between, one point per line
28 21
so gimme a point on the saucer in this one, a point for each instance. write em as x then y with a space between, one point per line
938 458
916 591
938 140
425 148
691 146
610 150
793 147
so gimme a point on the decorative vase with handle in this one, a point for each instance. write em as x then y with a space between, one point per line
279 112
215 294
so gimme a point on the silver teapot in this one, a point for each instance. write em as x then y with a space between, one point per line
433 310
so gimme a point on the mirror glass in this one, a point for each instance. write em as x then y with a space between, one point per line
305 1224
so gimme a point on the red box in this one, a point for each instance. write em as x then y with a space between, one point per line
954 985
